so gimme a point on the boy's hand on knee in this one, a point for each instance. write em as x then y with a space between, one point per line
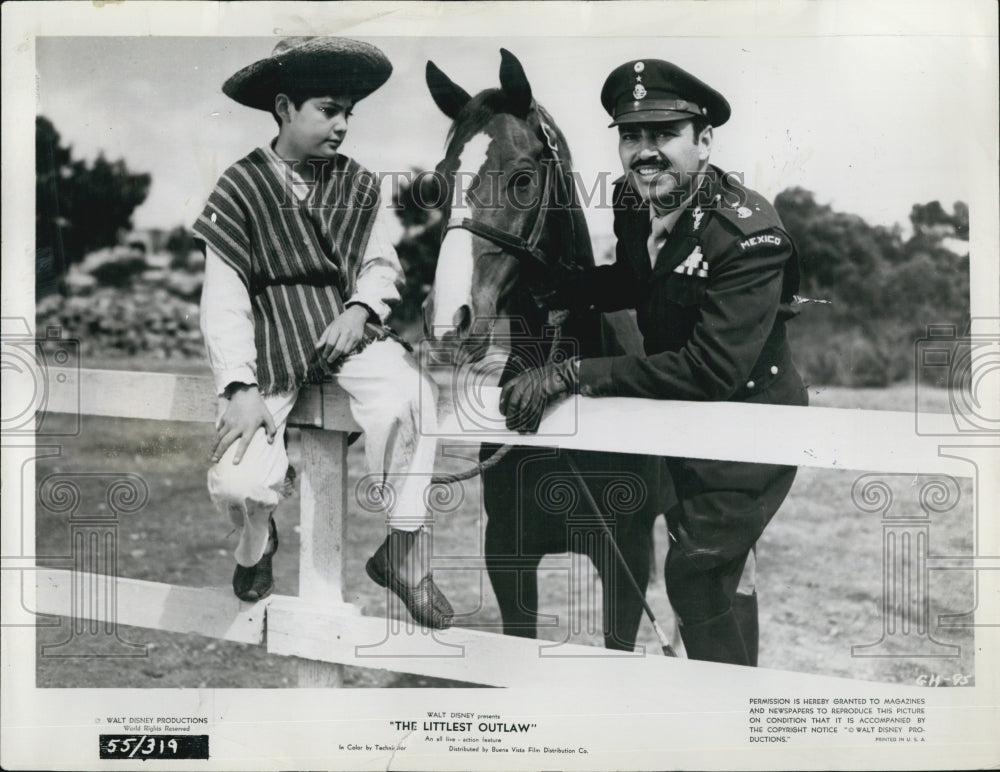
245 414
343 335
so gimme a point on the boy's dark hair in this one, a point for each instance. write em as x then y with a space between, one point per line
297 94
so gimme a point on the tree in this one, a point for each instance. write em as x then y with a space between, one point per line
80 207
884 290
841 254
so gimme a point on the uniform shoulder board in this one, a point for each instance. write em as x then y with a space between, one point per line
746 210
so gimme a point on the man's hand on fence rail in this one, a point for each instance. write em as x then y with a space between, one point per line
523 400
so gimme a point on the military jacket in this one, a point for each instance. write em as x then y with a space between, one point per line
712 310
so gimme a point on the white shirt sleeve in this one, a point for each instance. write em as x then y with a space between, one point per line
227 324
380 276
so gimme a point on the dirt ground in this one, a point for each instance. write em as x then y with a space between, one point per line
820 568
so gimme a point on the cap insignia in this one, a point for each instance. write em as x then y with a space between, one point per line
639 92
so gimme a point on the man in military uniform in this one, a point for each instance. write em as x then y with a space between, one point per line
711 273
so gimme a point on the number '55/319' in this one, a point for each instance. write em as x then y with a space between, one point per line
153 746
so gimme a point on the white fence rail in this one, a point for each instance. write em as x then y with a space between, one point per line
326 633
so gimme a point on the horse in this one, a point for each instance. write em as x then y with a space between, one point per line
507 167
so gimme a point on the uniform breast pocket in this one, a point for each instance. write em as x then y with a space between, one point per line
684 290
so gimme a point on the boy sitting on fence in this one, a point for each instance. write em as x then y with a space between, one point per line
289 231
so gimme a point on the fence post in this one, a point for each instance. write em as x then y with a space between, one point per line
324 493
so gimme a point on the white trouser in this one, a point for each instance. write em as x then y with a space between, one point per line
393 404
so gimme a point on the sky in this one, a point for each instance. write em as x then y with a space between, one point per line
870 123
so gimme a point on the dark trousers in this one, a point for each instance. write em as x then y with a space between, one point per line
721 509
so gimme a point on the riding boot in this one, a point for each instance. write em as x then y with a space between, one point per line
715 640
402 563
745 609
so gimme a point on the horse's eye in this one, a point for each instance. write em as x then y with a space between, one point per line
521 179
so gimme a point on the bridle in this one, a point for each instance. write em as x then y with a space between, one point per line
523 249
552 188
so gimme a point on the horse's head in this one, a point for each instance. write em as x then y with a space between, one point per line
508 195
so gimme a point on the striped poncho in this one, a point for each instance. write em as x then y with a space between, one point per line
298 259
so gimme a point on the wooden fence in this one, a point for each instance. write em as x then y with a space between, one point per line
325 632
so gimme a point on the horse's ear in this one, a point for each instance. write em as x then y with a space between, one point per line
448 96
515 83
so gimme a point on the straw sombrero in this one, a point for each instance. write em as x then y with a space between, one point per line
330 65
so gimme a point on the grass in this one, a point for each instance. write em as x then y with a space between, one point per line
819 571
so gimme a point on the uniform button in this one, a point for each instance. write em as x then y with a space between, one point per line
750 384
774 369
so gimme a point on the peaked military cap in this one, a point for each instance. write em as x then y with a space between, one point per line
650 90
331 66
